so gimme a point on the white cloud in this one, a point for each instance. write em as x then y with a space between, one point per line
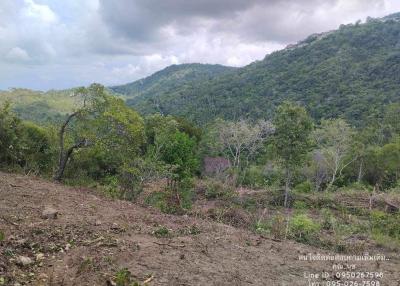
38 11
17 54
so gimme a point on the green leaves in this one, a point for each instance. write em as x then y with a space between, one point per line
293 127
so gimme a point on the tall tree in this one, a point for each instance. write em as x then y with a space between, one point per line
293 127
101 120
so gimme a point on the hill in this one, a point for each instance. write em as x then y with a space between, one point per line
38 106
352 72
165 82
98 241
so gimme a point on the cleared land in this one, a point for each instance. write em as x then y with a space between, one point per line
93 239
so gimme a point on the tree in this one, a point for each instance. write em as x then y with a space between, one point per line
383 165
334 140
239 140
293 127
103 121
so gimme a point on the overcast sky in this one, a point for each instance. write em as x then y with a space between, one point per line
64 43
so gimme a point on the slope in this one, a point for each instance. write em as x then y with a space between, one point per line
352 72
163 83
93 239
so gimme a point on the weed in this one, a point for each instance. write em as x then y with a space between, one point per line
123 277
278 226
85 266
162 231
190 230
303 229
2 236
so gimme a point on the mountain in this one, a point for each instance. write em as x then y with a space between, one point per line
352 72
163 83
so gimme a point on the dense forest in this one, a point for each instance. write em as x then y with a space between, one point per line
352 72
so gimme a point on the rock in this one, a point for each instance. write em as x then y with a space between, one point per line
49 213
43 276
24 261
67 247
39 257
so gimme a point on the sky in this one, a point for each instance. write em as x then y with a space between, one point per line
57 44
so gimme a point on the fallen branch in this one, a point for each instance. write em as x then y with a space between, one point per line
169 244
148 279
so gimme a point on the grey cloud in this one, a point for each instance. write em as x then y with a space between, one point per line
58 44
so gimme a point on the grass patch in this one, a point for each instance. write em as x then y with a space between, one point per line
162 231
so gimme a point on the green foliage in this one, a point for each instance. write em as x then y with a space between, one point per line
328 219
166 81
178 151
24 144
303 229
385 224
162 231
383 165
293 127
348 73
304 187
217 189
2 236
123 277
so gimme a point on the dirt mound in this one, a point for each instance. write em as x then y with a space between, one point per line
90 240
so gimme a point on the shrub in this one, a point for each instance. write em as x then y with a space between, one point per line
300 205
162 231
328 220
217 189
278 226
385 224
304 187
303 229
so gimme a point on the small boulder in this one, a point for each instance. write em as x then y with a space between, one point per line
49 213
24 261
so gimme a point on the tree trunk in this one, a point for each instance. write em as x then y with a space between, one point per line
360 172
64 157
287 188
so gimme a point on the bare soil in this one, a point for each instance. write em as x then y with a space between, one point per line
93 238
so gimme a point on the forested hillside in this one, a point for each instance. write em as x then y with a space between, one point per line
352 72
168 80
37 106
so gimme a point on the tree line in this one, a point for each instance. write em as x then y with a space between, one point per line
105 143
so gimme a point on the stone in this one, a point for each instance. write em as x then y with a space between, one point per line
49 213
24 261
39 257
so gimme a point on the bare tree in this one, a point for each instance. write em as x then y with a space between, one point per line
334 139
242 138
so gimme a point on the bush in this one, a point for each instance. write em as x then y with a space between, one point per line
385 224
260 176
162 231
328 220
278 226
217 189
303 229
304 187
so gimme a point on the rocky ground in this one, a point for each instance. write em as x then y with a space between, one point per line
57 235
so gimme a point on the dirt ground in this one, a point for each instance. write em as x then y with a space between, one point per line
93 238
